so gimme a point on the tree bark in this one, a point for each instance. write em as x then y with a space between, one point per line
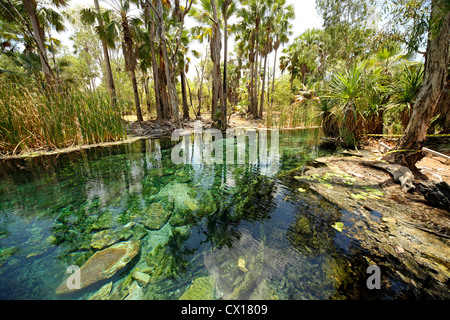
225 65
147 94
409 149
217 94
136 96
184 95
273 78
109 75
173 99
261 108
163 87
30 7
130 64
156 84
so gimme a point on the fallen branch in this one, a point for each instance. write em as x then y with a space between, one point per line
399 173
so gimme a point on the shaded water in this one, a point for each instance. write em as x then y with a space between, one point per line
246 229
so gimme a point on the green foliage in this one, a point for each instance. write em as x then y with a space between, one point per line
31 119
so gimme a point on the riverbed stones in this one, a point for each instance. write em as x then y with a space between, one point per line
105 238
155 216
202 288
135 292
141 278
103 293
104 264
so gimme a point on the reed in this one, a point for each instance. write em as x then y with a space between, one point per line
31 119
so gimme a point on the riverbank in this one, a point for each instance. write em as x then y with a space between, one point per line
405 234
145 130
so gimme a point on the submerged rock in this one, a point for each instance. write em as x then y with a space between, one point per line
201 289
155 216
105 238
103 293
5 253
104 264
135 292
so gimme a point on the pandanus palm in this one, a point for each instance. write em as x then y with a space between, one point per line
282 29
119 20
346 89
405 90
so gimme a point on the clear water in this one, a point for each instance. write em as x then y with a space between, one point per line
258 237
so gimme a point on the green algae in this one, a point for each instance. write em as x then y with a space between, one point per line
213 210
202 288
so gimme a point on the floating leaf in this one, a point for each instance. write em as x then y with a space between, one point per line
328 185
357 196
301 190
339 226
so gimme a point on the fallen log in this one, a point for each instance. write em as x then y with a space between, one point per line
436 193
399 173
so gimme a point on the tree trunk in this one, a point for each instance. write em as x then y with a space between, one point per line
217 94
184 96
200 89
173 99
261 107
442 111
136 96
200 96
30 7
156 85
256 84
250 87
130 63
147 94
163 87
409 149
225 68
109 75
273 78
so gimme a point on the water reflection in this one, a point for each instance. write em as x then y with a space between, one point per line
240 225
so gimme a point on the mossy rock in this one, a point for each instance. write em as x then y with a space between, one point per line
201 289
105 238
161 264
139 232
181 218
103 220
155 216
5 253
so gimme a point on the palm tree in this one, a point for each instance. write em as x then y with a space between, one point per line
282 26
228 8
38 32
248 29
120 21
11 10
404 91
109 76
217 92
210 19
328 121
346 89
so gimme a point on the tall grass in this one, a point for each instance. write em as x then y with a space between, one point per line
30 119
